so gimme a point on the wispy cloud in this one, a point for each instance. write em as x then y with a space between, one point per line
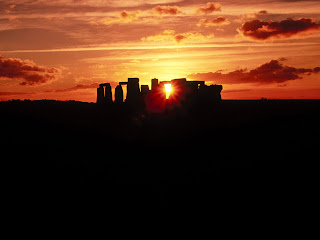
171 35
219 21
77 87
124 17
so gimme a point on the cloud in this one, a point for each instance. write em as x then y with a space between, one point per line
219 21
209 8
129 16
244 17
81 87
11 7
94 3
261 30
117 3
15 93
270 72
166 10
171 35
262 12
26 71
237 90
136 16
316 69
254 15
124 17
14 20
78 87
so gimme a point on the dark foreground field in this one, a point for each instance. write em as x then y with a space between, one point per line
55 150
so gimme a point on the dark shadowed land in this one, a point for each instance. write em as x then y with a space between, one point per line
175 158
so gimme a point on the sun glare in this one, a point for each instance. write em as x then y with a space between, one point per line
168 90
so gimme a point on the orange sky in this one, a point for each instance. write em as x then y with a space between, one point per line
62 49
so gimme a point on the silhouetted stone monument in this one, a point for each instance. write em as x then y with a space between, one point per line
104 95
133 91
100 94
118 94
154 84
184 93
108 93
145 89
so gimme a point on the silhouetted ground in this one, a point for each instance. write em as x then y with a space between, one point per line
55 150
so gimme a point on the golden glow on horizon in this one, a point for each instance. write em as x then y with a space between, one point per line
168 90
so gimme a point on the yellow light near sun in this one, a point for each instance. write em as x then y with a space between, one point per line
168 89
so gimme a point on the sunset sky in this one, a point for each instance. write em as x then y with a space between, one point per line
63 49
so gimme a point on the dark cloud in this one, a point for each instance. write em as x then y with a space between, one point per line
26 71
282 59
166 10
263 12
209 8
261 30
316 70
270 72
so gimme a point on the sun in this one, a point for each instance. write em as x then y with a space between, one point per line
168 90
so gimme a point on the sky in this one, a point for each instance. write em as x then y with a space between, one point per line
63 49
